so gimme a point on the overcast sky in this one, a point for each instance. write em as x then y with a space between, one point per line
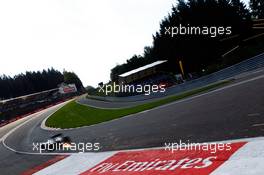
87 37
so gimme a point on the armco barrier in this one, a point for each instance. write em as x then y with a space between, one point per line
239 68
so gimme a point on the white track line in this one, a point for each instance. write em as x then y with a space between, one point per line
22 124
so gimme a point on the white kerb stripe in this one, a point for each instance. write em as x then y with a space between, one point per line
75 164
248 160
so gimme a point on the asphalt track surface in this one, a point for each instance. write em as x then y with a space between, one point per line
235 111
15 163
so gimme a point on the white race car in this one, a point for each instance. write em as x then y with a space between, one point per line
55 142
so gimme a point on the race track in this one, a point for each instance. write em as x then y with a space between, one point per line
231 112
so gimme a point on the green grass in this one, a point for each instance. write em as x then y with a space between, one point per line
74 115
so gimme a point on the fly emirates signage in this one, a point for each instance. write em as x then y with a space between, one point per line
162 162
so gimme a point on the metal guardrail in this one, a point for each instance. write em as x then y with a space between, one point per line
239 68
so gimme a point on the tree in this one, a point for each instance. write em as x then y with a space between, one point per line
30 82
72 78
257 8
241 9
196 51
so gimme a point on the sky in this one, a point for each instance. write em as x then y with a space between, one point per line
87 37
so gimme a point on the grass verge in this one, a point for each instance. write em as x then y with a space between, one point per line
74 115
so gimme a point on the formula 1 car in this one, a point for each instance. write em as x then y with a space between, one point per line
55 142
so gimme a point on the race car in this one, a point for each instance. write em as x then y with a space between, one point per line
55 142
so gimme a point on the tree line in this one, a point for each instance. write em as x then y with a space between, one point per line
257 8
32 82
197 52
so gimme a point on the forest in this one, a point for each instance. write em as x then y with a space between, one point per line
32 82
198 52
